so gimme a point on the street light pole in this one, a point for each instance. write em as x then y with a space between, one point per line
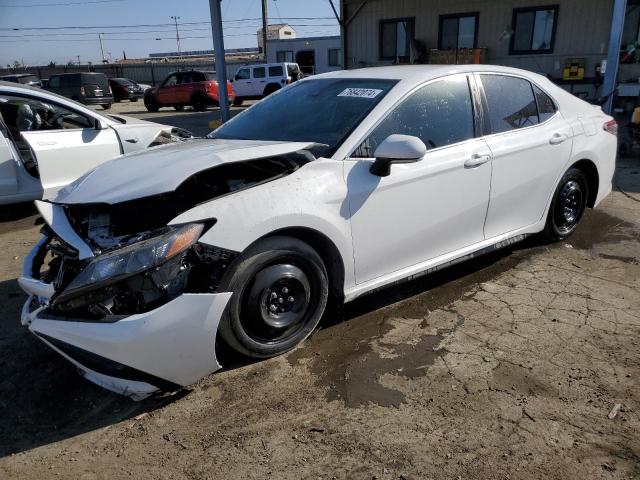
218 51
101 49
175 19
265 24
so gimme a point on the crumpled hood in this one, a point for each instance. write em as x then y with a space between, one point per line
163 169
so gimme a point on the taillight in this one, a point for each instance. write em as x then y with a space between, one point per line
611 126
288 80
82 90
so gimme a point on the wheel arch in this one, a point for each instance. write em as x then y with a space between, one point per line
590 170
271 87
327 250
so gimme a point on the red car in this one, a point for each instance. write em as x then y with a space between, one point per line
195 88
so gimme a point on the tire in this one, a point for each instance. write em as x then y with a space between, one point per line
116 100
269 89
106 106
275 273
237 101
134 99
179 108
199 103
567 207
151 104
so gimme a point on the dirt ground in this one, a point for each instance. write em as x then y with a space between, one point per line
502 368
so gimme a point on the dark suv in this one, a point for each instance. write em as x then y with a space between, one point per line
85 87
125 89
195 88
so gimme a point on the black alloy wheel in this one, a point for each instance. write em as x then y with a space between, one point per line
568 205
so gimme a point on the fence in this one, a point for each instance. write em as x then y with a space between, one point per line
151 73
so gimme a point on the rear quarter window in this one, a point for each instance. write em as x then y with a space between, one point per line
546 107
276 71
510 102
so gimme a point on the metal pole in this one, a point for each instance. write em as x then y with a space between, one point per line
101 49
218 51
175 19
613 55
78 59
265 24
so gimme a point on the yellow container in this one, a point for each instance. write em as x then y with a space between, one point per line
635 118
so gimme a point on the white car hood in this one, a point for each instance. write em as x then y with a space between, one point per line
162 169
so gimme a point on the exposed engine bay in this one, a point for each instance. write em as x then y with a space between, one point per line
131 272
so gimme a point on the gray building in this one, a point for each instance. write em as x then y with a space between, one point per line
313 54
536 35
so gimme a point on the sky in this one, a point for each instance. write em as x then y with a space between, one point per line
147 26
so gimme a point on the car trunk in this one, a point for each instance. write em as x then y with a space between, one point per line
95 86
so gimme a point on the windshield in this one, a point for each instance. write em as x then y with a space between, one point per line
324 110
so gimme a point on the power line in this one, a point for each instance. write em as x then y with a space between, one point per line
60 4
150 25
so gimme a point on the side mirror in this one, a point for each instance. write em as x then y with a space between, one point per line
397 149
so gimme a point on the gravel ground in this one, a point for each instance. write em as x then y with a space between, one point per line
504 367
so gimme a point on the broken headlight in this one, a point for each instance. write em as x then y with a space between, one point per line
135 258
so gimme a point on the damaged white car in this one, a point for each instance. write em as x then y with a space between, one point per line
151 260
47 141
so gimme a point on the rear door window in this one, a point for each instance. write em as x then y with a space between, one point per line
54 82
440 114
277 71
546 107
259 72
510 102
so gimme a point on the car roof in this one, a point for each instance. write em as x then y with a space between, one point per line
421 73
18 75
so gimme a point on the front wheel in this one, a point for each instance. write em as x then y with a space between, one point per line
280 291
106 106
199 103
151 104
237 101
567 207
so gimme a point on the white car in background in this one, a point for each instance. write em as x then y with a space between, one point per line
47 141
385 174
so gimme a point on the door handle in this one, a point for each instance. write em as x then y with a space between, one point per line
476 160
558 138
47 144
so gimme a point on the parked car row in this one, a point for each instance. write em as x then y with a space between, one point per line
242 239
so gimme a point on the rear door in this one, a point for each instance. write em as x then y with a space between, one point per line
530 142
259 80
95 85
64 143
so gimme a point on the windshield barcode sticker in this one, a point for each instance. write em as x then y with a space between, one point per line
360 92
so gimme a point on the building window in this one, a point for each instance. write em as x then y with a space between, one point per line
334 57
284 56
395 39
458 31
534 30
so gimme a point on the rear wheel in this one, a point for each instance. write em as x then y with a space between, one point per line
134 99
106 106
280 291
269 89
179 108
237 101
568 205
151 104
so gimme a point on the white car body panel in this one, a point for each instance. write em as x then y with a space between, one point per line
64 155
424 216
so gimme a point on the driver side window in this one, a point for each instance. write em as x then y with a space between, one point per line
243 74
439 113
170 81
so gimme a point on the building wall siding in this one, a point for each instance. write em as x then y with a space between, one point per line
319 45
582 30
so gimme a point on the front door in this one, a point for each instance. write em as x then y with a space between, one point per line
242 82
530 144
425 209
168 90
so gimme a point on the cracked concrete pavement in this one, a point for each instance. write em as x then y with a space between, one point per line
504 367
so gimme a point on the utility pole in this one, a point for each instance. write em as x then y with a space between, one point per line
101 49
218 51
265 23
78 59
175 19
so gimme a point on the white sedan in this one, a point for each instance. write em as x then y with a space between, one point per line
47 141
374 176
